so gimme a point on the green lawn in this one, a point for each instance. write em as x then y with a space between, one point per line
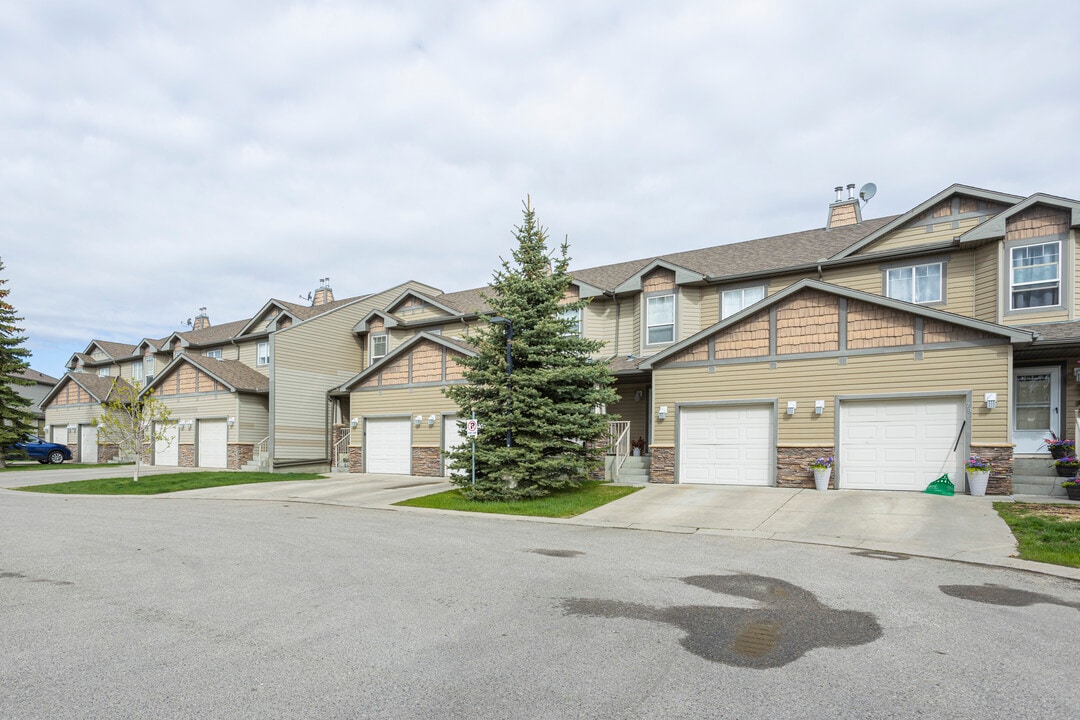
34 465
558 505
166 483
1045 533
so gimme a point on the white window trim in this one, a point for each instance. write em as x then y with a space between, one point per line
1058 279
260 359
941 282
215 353
137 376
103 371
579 320
674 317
371 346
742 289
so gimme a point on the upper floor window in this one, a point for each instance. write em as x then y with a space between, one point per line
148 366
137 371
262 353
915 283
215 353
378 347
103 371
659 319
732 301
574 317
1035 276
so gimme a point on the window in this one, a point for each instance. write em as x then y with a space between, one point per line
732 301
914 284
574 316
215 353
148 366
137 371
378 347
1035 279
103 371
262 353
660 319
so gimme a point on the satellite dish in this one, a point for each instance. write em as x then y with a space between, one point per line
867 191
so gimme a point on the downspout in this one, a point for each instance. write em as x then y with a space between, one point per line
820 275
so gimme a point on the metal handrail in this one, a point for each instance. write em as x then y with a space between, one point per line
341 447
261 452
619 442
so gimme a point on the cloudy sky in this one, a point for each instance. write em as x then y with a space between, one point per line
159 156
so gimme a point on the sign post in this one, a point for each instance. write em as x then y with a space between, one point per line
472 429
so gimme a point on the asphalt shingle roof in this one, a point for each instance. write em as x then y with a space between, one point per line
98 386
233 372
38 377
114 349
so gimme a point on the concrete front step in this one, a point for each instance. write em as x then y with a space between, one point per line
1038 485
1028 466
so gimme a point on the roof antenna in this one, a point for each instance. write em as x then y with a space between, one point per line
866 192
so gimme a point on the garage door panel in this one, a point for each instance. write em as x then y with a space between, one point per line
453 436
726 445
213 441
912 441
167 452
388 446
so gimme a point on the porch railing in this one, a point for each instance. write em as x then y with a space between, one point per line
341 450
619 443
261 453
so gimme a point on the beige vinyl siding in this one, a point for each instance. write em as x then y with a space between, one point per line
248 353
424 401
202 407
452 330
914 236
959 279
778 283
252 418
303 375
867 278
417 312
710 306
72 414
1031 317
599 319
979 369
986 281
689 310
630 326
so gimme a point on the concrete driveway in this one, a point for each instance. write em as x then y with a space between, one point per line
956 528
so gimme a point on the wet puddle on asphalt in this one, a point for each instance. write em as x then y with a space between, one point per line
789 623
557 553
6 574
991 594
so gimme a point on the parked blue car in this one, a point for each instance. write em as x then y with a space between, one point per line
35 448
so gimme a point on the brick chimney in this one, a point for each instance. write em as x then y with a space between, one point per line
324 294
844 211
202 320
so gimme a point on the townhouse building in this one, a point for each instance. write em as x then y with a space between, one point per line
897 344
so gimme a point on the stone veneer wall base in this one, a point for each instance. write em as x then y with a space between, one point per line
239 454
185 455
356 459
662 464
793 466
427 461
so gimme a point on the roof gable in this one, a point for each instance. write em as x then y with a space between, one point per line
682 276
97 388
189 373
812 317
397 369
920 211
996 227
412 302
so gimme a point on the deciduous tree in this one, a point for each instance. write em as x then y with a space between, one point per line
133 421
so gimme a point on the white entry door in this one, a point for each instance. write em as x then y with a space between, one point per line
726 445
901 444
213 442
388 445
452 437
60 434
87 444
166 452
1036 407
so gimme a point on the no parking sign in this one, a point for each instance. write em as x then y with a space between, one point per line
472 427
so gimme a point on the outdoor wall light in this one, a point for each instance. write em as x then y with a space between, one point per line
819 407
417 420
991 400
662 412
431 420
72 427
354 422
637 396
791 405
231 421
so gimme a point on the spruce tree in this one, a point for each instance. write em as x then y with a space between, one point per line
15 417
539 426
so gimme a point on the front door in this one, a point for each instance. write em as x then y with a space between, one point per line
1037 411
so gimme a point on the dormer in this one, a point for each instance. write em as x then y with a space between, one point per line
412 305
274 315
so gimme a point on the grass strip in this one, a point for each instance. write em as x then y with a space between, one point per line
164 483
563 504
1043 533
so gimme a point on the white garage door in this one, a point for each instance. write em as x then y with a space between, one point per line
167 453
388 446
213 443
87 444
726 445
59 434
452 437
900 444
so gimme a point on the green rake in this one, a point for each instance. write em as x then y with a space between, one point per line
943 485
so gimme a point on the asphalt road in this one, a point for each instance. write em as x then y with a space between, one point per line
196 608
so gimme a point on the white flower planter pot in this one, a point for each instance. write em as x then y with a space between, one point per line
977 480
821 478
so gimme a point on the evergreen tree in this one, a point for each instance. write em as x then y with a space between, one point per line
16 418
539 426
